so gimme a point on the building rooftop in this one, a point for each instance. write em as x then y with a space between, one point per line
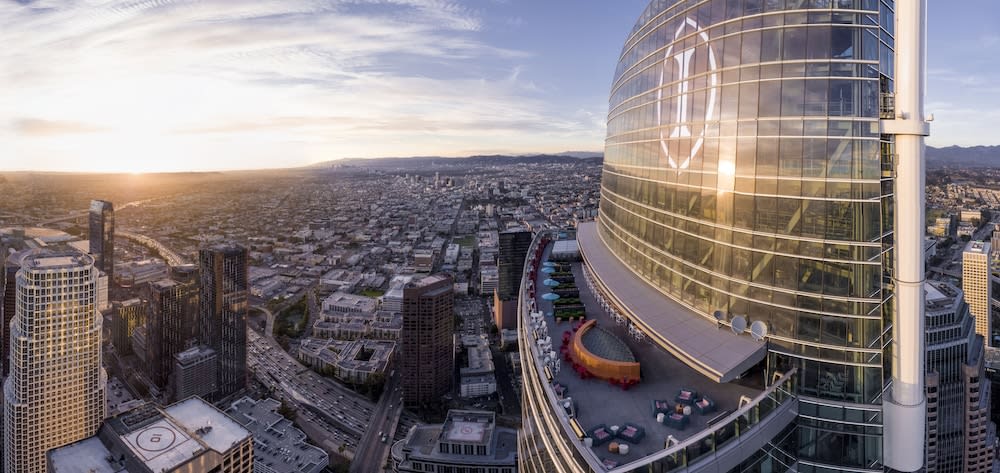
597 402
86 456
278 445
977 247
472 429
716 353
161 439
48 260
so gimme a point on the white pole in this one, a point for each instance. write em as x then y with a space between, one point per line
904 410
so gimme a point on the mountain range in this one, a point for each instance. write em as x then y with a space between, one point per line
957 156
951 156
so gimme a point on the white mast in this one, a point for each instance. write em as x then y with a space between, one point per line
904 409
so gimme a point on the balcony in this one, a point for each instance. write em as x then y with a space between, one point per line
747 412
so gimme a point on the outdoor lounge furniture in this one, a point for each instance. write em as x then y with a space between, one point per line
632 433
686 396
677 421
704 405
661 406
601 435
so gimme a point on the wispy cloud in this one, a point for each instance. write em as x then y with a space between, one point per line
36 127
334 78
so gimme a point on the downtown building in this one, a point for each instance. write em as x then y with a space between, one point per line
101 219
171 327
55 392
514 246
977 285
222 310
757 260
427 360
126 316
190 436
960 436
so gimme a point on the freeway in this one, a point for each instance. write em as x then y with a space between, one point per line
344 407
173 259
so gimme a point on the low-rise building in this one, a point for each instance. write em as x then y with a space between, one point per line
352 361
279 447
467 441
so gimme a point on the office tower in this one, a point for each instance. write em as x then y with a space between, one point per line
959 433
223 309
55 392
190 436
428 358
102 236
510 262
995 241
976 285
127 316
761 218
172 321
12 263
195 373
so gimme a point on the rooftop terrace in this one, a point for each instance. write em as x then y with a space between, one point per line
599 403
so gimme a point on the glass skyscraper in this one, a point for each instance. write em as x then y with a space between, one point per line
749 179
101 219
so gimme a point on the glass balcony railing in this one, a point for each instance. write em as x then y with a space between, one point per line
729 433
887 106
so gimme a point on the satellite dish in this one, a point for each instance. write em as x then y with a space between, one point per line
719 315
739 324
758 330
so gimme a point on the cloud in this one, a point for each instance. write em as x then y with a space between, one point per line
202 76
38 127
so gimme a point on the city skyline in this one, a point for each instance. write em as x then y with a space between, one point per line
197 86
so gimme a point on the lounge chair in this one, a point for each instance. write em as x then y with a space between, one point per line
686 396
677 421
704 405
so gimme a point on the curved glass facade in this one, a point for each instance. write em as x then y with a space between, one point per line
744 174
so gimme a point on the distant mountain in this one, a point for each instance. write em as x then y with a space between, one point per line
428 163
957 156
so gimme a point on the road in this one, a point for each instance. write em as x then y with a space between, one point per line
372 452
173 259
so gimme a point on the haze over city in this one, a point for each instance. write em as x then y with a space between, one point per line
217 84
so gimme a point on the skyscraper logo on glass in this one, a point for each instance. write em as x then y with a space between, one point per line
676 111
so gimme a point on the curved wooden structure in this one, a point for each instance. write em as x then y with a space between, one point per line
611 370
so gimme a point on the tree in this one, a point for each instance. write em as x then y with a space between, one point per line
286 410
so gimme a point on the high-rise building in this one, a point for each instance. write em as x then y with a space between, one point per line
195 373
102 236
976 285
761 218
510 262
959 433
55 392
223 307
12 263
126 317
190 436
172 320
428 355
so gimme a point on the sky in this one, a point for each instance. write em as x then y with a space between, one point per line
167 85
